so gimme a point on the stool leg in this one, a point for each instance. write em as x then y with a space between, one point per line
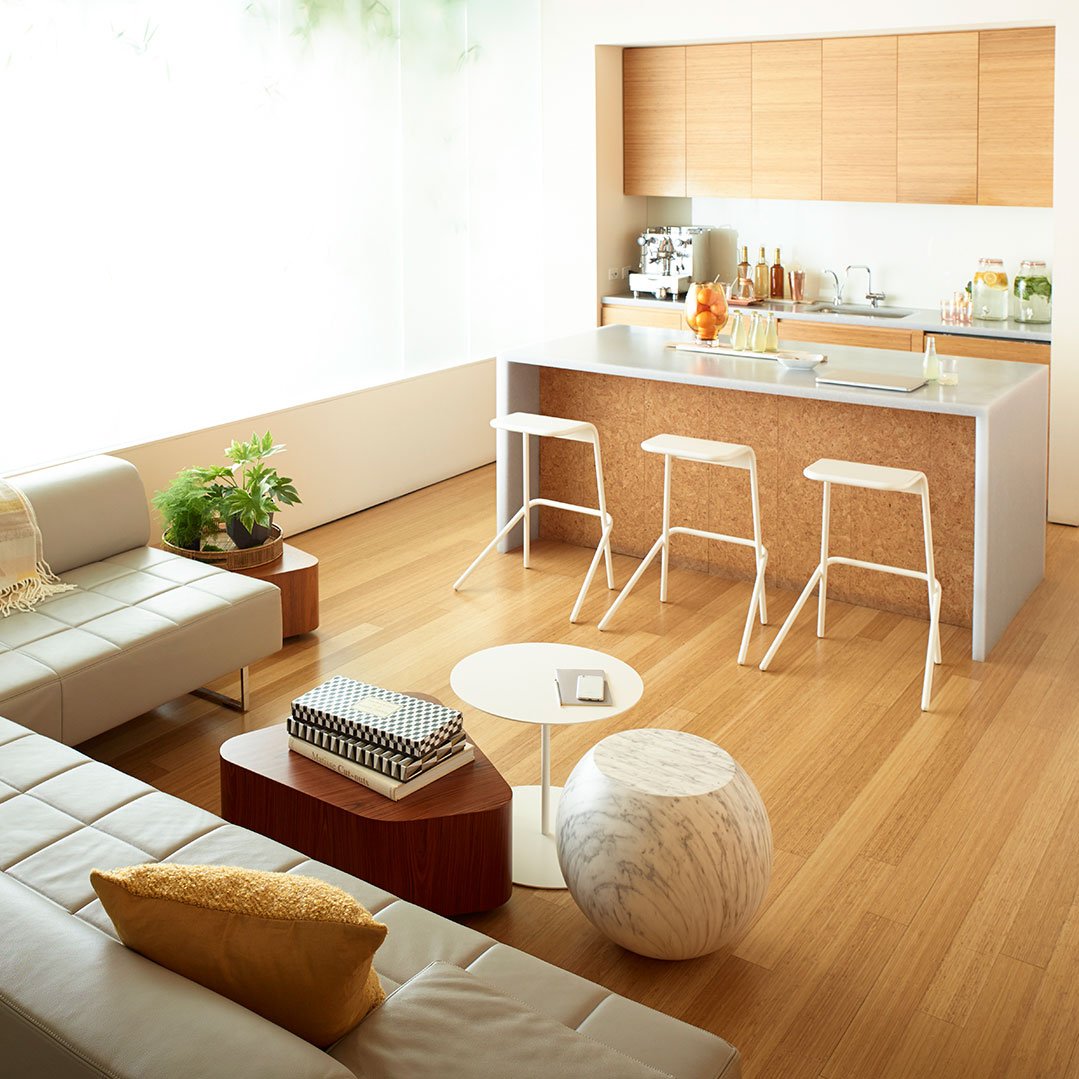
645 563
503 531
930 565
932 649
606 531
526 476
795 611
761 553
822 599
665 535
604 545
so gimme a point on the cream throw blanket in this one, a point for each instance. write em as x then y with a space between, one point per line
25 578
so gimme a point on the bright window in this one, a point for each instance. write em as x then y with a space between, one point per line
216 208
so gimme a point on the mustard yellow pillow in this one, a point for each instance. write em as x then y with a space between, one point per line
294 949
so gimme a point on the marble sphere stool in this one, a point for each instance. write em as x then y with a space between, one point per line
664 843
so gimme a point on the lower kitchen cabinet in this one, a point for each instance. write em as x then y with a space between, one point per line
992 348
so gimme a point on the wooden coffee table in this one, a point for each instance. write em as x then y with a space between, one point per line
447 847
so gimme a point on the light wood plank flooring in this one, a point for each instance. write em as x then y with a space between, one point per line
923 917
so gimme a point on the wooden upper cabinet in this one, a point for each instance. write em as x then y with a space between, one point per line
719 121
1015 117
786 89
858 150
654 121
938 118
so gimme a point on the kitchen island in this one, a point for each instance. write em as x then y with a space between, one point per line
982 445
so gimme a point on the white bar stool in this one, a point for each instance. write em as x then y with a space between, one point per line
876 478
527 424
731 455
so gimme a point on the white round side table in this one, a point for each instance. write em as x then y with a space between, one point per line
664 842
517 681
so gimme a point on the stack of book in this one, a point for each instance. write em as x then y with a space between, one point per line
387 741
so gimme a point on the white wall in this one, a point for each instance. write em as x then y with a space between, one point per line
354 451
918 254
573 172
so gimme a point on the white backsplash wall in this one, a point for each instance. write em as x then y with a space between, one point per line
918 253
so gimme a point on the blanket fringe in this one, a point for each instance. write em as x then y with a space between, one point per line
26 595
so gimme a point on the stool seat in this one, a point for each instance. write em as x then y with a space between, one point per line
527 423
856 474
699 449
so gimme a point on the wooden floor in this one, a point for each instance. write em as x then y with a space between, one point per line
922 919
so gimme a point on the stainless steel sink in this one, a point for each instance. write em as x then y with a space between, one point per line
858 309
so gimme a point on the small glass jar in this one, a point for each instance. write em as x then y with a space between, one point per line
1033 292
989 291
758 334
739 333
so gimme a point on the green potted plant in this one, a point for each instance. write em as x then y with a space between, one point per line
248 492
188 510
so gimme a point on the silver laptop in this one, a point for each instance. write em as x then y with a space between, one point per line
875 380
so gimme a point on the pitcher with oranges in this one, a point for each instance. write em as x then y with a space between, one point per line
706 310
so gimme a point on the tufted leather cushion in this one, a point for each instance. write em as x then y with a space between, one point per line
144 626
62 814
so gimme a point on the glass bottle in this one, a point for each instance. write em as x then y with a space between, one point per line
761 277
771 335
738 331
1033 292
931 361
743 265
989 291
758 334
949 370
777 278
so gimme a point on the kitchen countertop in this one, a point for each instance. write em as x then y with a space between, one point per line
922 318
642 352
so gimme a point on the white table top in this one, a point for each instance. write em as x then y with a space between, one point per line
642 352
517 681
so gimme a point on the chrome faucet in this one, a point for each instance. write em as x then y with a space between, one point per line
873 297
838 287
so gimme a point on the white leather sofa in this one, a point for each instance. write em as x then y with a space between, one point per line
76 1004
144 626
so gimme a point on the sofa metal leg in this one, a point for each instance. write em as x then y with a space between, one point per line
240 704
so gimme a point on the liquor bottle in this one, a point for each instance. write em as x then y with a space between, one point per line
777 278
761 284
743 266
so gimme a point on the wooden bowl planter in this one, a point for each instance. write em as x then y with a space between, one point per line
232 557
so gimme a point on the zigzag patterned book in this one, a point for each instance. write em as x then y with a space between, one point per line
390 762
378 715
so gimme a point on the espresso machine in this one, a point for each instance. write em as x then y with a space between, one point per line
672 257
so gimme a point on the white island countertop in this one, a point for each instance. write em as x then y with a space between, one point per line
643 352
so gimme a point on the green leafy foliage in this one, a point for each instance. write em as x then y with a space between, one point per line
199 499
188 509
1026 287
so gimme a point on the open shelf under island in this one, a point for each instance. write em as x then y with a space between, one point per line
982 445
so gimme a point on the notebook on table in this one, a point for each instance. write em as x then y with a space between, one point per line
872 380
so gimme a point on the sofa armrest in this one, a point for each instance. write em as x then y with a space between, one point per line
87 510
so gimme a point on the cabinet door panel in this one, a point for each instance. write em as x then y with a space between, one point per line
787 119
654 121
838 333
719 121
858 148
617 315
1015 117
938 118
992 348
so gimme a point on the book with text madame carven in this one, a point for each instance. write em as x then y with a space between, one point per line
394 789
378 715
